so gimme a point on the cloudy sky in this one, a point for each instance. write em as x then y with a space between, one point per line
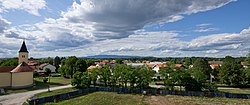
160 28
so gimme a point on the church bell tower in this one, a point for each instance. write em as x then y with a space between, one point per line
23 54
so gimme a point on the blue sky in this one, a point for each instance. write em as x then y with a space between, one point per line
160 28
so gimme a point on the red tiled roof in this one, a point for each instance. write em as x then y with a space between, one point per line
92 67
6 68
22 67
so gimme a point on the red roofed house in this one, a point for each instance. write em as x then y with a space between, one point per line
20 76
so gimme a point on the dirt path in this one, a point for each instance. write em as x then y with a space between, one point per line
20 98
159 100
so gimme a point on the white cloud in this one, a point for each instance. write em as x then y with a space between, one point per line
205 30
109 26
30 6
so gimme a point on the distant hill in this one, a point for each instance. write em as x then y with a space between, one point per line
112 56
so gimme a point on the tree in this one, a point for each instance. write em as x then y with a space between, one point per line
81 65
230 72
93 75
9 62
166 75
105 74
201 72
56 62
81 79
144 77
48 72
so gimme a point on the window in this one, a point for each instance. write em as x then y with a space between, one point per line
23 56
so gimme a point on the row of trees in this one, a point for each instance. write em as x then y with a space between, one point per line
196 79
119 76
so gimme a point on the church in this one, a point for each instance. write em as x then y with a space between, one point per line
20 76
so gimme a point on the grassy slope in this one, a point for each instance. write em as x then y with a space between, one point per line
240 91
54 81
188 100
55 92
104 98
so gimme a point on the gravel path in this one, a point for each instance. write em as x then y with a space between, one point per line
20 98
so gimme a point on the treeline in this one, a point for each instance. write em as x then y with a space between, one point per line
118 76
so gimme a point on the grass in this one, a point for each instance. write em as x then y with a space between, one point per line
104 98
55 92
54 81
188 100
240 91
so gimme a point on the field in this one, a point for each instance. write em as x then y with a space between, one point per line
104 98
112 98
54 81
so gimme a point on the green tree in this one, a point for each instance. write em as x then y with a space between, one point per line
201 70
81 79
10 62
230 72
48 72
105 74
56 62
166 75
144 76
81 65
93 75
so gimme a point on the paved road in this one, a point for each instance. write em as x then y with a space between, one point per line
20 98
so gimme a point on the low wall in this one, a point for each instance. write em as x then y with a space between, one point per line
5 78
136 91
22 79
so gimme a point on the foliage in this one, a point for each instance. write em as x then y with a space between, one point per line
105 74
81 79
230 72
57 62
72 65
9 62
48 60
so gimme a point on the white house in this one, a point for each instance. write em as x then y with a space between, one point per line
42 67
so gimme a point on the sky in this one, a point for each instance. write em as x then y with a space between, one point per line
159 28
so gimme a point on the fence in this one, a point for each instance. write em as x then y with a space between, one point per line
136 91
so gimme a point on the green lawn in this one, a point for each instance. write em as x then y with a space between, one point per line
241 91
104 98
56 92
54 81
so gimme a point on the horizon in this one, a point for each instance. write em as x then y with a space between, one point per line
157 28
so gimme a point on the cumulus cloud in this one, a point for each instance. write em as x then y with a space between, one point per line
111 27
30 6
118 18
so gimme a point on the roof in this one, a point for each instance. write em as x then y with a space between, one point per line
43 65
23 48
215 62
6 68
22 67
91 67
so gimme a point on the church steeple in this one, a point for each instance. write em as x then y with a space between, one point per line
23 54
23 48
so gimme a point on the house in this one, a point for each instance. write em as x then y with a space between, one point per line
20 76
215 64
44 66
91 67
244 64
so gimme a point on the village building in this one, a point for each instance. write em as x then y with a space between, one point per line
20 76
43 67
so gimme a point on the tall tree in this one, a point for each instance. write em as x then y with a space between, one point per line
201 70
105 74
56 62
230 72
81 65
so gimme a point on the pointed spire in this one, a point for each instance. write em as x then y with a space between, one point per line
23 47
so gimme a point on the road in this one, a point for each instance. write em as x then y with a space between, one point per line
20 98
